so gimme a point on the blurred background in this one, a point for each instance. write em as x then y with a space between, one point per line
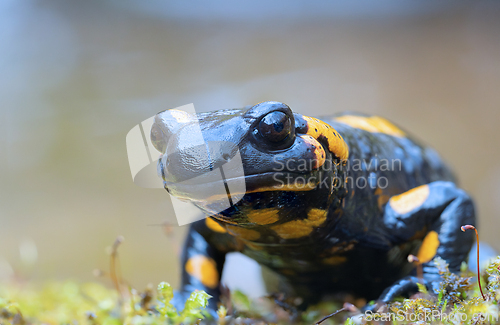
76 76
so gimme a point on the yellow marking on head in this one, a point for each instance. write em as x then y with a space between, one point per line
263 216
429 247
319 151
301 228
373 124
409 200
215 226
336 143
244 233
203 269
334 260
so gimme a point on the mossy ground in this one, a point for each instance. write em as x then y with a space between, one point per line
458 301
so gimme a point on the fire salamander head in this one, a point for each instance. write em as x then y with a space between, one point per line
260 166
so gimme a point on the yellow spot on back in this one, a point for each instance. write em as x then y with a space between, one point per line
263 216
244 233
204 269
301 228
214 225
410 200
429 247
336 143
334 260
373 124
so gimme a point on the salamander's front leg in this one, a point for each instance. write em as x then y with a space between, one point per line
203 258
438 209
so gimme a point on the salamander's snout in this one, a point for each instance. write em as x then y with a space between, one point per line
174 134
167 123
195 162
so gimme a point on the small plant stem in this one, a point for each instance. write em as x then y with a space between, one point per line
113 262
329 316
467 227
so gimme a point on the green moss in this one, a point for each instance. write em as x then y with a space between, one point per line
91 303
70 302
458 301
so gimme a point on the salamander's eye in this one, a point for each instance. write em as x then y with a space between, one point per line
275 126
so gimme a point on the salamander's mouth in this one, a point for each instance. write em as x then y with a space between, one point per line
222 189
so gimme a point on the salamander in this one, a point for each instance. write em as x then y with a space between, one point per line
332 204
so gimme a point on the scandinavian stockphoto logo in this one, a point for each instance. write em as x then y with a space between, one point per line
192 168
371 175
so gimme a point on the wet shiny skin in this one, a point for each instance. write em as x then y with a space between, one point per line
332 205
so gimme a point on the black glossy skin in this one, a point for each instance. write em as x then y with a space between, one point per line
363 244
